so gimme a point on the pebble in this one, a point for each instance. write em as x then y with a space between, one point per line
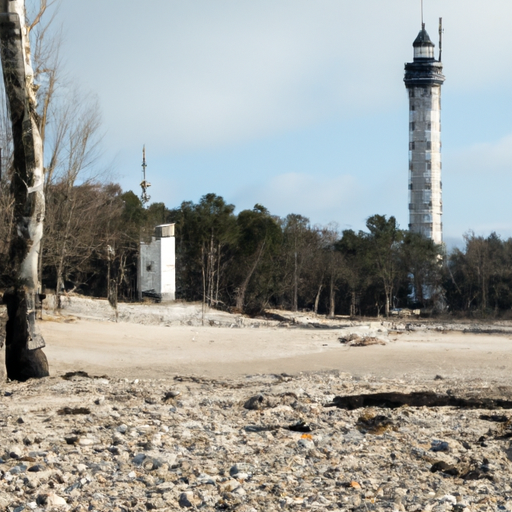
188 499
122 429
81 468
227 445
86 441
16 470
15 451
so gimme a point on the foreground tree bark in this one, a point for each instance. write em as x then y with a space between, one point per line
24 358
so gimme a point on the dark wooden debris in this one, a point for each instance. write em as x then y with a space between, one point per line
169 395
300 426
498 418
80 374
375 424
474 471
73 410
72 375
417 399
256 403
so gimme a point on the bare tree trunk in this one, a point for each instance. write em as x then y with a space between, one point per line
60 269
60 281
295 306
211 271
317 298
240 297
203 305
24 357
219 248
353 304
122 277
388 292
112 279
332 295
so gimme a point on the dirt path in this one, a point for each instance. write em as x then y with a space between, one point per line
149 351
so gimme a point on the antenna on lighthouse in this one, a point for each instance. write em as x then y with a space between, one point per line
144 185
440 38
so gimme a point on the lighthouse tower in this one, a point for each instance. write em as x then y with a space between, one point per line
423 79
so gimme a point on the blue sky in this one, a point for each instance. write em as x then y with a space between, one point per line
297 105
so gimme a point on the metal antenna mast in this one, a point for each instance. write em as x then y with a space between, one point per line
440 38
144 185
422 23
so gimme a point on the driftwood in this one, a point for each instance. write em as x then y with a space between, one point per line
419 399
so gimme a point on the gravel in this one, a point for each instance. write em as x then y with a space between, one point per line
259 443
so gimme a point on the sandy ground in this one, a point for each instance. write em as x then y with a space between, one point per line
153 351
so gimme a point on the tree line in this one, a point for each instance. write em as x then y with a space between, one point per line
252 260
255 260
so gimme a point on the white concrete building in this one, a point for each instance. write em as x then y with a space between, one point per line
157 265
423 79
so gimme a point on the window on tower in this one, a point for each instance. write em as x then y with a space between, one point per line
429 145
411 145
412 126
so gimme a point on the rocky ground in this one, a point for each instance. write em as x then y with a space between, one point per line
259 443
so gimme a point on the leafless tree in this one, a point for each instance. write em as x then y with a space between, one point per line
69 122
70 170
24 357
333 261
